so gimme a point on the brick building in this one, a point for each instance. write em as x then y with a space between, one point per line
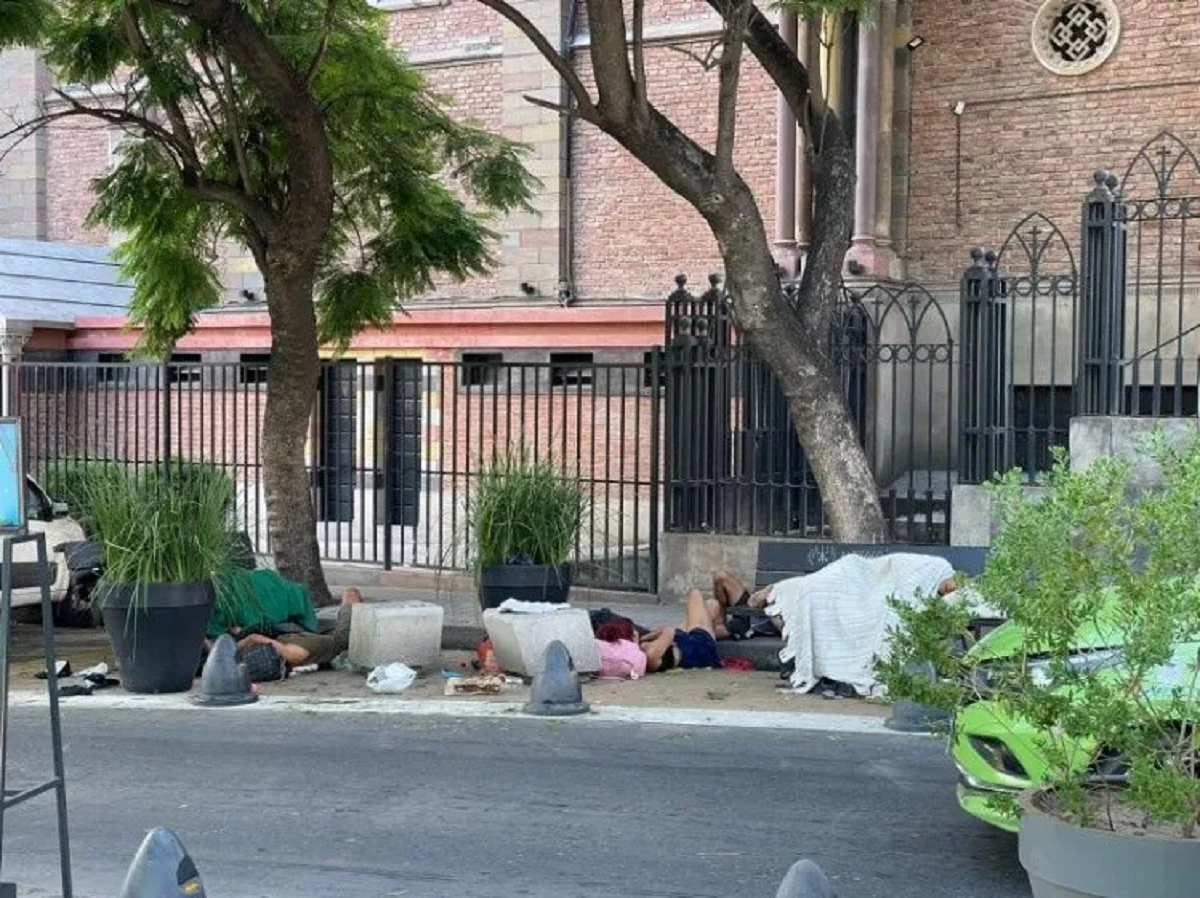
968 117
953 146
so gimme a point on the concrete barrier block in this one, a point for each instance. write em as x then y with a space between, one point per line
520 640
408 632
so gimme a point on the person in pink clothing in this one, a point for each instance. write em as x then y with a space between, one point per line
621 659
692 646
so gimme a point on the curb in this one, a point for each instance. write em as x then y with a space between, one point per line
799 721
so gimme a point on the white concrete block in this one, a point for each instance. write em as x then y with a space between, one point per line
520 640
408 632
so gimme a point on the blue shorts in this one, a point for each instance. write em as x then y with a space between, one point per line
697 649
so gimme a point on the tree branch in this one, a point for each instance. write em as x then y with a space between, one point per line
610 59
779 62
319 57
113 116
730 68
230 195
179 126
554 107
214 87
233 115
583 100
707 62
309 161
832 169
639 52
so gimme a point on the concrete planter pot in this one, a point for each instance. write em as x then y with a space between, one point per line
1064 860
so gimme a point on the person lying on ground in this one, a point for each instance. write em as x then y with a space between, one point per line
303 649
692 647
260 601
730 592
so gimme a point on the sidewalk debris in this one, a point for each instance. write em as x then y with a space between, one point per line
483 684
391 678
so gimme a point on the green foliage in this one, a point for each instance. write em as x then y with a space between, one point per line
68 480
77 481
162 527
22 22
525 508
933 630
810 10
415 190
1102 585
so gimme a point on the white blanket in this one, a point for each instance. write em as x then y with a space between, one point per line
836 621
516 606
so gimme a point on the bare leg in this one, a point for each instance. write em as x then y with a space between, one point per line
760 598
696 615
727 589
716 614
321 649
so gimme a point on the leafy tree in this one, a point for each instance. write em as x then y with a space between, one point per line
791 340
292 129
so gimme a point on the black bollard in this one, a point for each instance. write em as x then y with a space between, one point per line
556 690
805 880
224 682
162 868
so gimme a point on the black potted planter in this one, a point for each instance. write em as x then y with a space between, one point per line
525 582
157 633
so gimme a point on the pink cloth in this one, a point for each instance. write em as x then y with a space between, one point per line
621 660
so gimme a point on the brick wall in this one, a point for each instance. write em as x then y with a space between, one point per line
600 430
1031 139
473 88
448 26
632 233
77 153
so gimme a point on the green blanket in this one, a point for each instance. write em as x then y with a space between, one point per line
260 600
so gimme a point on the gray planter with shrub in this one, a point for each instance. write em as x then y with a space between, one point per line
1066 860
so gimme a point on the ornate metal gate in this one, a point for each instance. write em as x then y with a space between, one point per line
1118 334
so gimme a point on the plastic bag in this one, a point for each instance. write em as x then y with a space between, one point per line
395 677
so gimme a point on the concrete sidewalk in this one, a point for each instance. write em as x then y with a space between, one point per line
739 699
684 698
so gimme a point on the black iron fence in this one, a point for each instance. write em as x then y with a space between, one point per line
733 463
394 450
1045 338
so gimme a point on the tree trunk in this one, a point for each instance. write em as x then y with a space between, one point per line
798 357
292 381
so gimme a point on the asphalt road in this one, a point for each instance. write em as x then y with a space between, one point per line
364 806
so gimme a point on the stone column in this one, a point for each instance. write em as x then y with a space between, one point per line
866 150
784 245
804 197
12 346
533 251
24 81
884 142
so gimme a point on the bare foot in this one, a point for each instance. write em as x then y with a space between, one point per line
352 597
